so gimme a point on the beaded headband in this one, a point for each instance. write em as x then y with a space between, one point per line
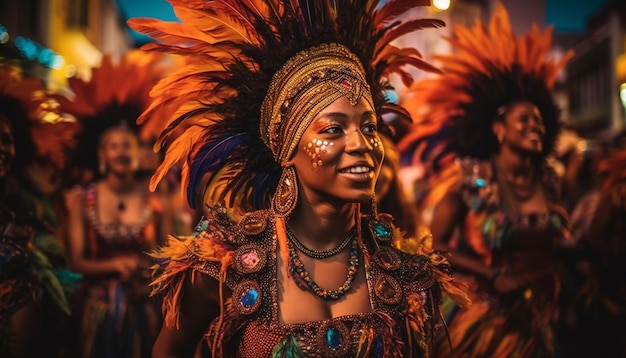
304 86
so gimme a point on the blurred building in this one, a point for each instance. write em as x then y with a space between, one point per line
57 39
597 75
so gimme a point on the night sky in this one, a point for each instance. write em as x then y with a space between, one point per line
571 15
566 15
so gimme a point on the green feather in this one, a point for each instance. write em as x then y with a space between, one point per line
287 348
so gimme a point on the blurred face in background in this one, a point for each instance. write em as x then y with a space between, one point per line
119 150
7 146
521 127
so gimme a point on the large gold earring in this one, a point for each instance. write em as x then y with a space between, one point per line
286 196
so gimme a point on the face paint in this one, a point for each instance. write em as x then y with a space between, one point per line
340 153
316 149
376 143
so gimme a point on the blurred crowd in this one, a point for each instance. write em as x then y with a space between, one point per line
78 216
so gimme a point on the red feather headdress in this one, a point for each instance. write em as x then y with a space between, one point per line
234 47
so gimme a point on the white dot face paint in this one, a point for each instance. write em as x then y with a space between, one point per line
317 149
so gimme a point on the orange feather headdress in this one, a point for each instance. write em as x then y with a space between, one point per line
234 47
491 68
116 93
41 129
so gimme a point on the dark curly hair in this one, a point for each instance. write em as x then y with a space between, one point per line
473 137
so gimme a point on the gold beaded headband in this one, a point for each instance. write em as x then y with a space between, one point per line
303 87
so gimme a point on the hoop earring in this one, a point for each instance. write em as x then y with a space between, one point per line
286 196
102 167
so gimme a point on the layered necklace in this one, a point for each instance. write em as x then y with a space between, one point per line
319 254
302 277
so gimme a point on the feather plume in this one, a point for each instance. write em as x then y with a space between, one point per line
491 67
233 48
116 92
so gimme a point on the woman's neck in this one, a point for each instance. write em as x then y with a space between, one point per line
321 226
513 164
120 183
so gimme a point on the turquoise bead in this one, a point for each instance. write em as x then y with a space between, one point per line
382 230
250 298
333 338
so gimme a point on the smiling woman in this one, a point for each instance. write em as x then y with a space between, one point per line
300 85
492 122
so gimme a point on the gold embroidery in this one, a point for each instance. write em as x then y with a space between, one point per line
303 87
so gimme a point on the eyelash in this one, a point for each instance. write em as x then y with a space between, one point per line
372 127
368 128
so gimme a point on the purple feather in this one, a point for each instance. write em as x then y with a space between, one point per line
211 157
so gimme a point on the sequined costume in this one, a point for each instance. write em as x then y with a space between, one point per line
117 319
241 254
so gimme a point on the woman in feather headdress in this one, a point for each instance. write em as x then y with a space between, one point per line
278 119
114 219
33 300
486 126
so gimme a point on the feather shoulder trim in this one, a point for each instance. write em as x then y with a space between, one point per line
211 250
422 245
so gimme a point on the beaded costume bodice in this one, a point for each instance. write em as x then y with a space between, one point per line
490 229
403 293
110 239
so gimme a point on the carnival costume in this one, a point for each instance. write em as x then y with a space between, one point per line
454 112
258 73
114 318
30 254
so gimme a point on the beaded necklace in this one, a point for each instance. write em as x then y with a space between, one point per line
304 281
319 254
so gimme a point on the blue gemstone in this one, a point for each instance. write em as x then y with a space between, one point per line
250 298
333 338
479 183
381 230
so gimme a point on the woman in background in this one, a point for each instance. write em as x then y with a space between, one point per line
497 123
114 218
113 223
33 302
